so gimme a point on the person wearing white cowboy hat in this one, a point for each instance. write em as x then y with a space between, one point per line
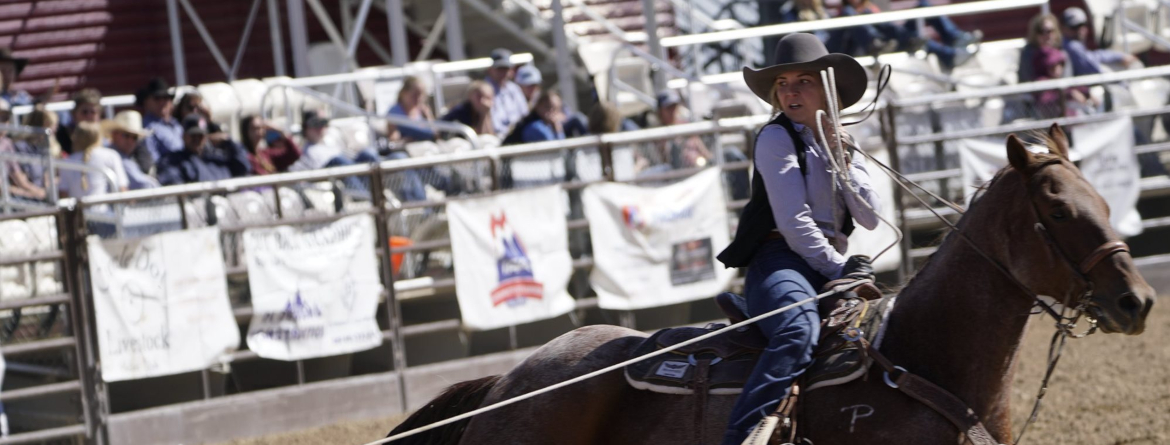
794 230
125 133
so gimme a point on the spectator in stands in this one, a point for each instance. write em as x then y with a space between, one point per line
10 68
1049 64
42 118
604 118
190 102
86 108
1043 31
166 132
270 150
1085 62
808 11
952 50
510 105
475 112
199 161
683 152
125 134
412 104
22 182
529 79
319 152
544 123
87 138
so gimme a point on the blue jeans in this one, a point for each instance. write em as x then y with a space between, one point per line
777 277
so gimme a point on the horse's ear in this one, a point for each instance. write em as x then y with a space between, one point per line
1059 143
1018 155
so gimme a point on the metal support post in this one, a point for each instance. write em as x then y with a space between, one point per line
455 49
277 40
71 236
393 306
399 52
244 39
654 43
891 129
298 34
358 26
177 43
565 78
206 36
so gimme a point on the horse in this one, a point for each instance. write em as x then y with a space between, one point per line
958 323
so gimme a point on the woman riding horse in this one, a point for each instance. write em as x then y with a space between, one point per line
794 230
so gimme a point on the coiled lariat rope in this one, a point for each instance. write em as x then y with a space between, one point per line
835 290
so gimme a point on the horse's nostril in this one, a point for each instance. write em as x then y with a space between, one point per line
1130 304
1146 307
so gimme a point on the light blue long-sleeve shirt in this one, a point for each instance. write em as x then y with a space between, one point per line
1086 62
802 204
166 136
509 106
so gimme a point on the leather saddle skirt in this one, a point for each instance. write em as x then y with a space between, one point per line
721 365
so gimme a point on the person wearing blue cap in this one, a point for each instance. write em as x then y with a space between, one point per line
1075 27
529 79
510 105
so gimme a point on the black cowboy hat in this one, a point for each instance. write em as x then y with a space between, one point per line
805 52
6 56
157 87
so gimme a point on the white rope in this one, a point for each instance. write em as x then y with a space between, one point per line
836 289
829 79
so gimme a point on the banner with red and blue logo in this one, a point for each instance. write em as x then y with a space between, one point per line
512 262
655 246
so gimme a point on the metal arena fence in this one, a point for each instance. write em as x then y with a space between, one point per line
418 315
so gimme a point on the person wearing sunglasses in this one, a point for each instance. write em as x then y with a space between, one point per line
1043 32
1085 61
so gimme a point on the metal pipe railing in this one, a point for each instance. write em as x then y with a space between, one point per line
450 127
1032 87
978 7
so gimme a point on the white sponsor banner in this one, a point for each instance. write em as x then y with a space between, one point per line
655 246
865 242
1105 152
161 304
1110 164
512 262
314 291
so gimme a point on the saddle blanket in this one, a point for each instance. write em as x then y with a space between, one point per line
721 365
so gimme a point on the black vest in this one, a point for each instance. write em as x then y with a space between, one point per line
756 219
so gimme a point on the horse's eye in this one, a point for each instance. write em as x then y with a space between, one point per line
1059 215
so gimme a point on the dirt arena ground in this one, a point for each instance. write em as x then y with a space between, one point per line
1107 390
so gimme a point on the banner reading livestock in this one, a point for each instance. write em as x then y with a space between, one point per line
512 262
314 291
655 246
161 304
1107 159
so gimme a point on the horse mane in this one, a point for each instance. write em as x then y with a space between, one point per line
455 400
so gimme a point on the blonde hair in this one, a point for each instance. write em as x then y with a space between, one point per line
410 83
86 137
40 117
1034 29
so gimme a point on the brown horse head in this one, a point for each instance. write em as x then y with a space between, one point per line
1068 249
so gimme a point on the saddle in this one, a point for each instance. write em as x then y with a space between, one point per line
721 365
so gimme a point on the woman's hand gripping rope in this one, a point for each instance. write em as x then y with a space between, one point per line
838 162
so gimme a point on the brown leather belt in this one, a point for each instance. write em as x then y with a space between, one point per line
773 235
